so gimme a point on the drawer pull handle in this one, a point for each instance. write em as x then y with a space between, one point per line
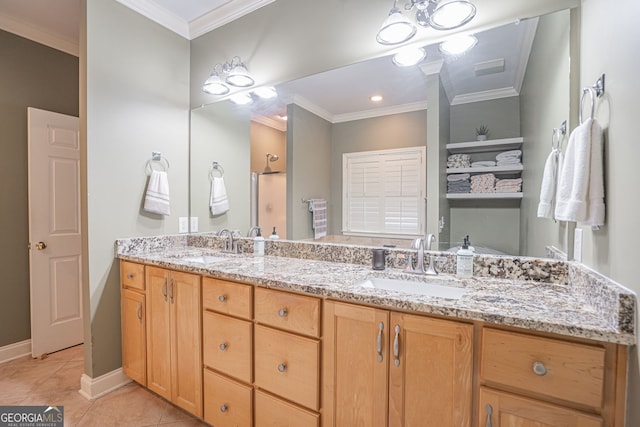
539 369
489 412
164 289
379 341
139 312
282 312
130 276
222 298
282 367
223 346
224 408
171 291
396 346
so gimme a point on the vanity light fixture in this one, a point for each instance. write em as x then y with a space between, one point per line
266 92
376 98
437 14
458 45
236 75
409 56
241 98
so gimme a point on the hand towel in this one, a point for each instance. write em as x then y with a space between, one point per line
548 189
218 201
483 164
512 154
156 199
458 177
318 209
580 195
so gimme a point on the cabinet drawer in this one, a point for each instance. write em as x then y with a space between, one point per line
287 365
296 313
271 411
227 345
132 275
226 402
558 369
227 297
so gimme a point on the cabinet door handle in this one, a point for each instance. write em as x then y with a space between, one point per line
171 291
224 408
489 410
224 346
283 312
164 289
396 346
130 276
379 341
222 298
282 367
139 312
539 369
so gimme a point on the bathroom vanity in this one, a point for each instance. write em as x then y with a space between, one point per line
301 341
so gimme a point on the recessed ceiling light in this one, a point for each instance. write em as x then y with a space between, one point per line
376 98
409 56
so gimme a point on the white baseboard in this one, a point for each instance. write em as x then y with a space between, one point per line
15 350
92 388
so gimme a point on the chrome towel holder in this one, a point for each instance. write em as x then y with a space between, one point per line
556 136
156 158
595 91
216 167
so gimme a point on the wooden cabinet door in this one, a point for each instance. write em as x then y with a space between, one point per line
186 347
134 341
499 409
158 332
430 377
355 357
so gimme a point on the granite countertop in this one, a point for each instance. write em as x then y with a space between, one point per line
546 307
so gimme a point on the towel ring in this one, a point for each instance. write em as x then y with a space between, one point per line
592 96
163 162
556 139
215 166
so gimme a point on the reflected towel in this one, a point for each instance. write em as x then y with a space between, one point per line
156 199
318 208
549 186
218 202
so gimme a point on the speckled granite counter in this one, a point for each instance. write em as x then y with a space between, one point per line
577 303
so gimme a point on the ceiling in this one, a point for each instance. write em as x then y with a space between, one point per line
337 95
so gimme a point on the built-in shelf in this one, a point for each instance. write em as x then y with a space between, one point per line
488 169
484 195
483 146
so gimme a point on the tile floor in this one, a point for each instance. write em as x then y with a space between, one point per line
55 380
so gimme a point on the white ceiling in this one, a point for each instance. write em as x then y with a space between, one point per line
337 95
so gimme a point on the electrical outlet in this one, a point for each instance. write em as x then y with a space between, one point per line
194 224
577 245
183 224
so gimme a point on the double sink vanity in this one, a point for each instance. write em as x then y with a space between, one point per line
311 335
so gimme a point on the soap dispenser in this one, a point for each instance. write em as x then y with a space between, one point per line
258 244
274 235
464 260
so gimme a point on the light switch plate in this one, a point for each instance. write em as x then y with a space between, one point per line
577 245
183 224
194 224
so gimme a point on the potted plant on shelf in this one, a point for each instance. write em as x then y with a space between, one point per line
481 133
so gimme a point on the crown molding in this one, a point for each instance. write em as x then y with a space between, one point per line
310 106
487 95
159 15
223 15
379 112
276 124
36 34
432 67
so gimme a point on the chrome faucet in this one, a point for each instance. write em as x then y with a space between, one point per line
428 241
253 230
421 245
230 245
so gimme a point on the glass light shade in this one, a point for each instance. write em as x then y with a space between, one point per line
214 85
450 14
241 99
266 92
239 76
457 45
409 56
396 29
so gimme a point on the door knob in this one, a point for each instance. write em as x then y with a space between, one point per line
41 245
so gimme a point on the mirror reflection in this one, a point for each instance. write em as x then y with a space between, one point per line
278 154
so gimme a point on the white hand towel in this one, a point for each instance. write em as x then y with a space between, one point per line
512 154
454 177
580 195
218 201
319 221
156 199
549 186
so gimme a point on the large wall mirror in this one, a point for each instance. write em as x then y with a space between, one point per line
516 81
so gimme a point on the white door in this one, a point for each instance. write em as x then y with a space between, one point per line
272 204
54 231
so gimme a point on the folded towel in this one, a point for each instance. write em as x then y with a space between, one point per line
580 195
458 177
483 164
218 201
549 186
156 199
318 208
512 154
459 161
484 183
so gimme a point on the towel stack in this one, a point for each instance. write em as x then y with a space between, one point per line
458 183
509 158
484 183
156 199
509 185
459 161
483 164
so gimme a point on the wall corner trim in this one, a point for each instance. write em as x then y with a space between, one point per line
15 350
92 388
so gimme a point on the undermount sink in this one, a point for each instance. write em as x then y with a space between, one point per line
413 287
203 259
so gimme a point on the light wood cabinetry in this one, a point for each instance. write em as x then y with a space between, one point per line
271 411
174 357
227 403
429 364
291 312
133 315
